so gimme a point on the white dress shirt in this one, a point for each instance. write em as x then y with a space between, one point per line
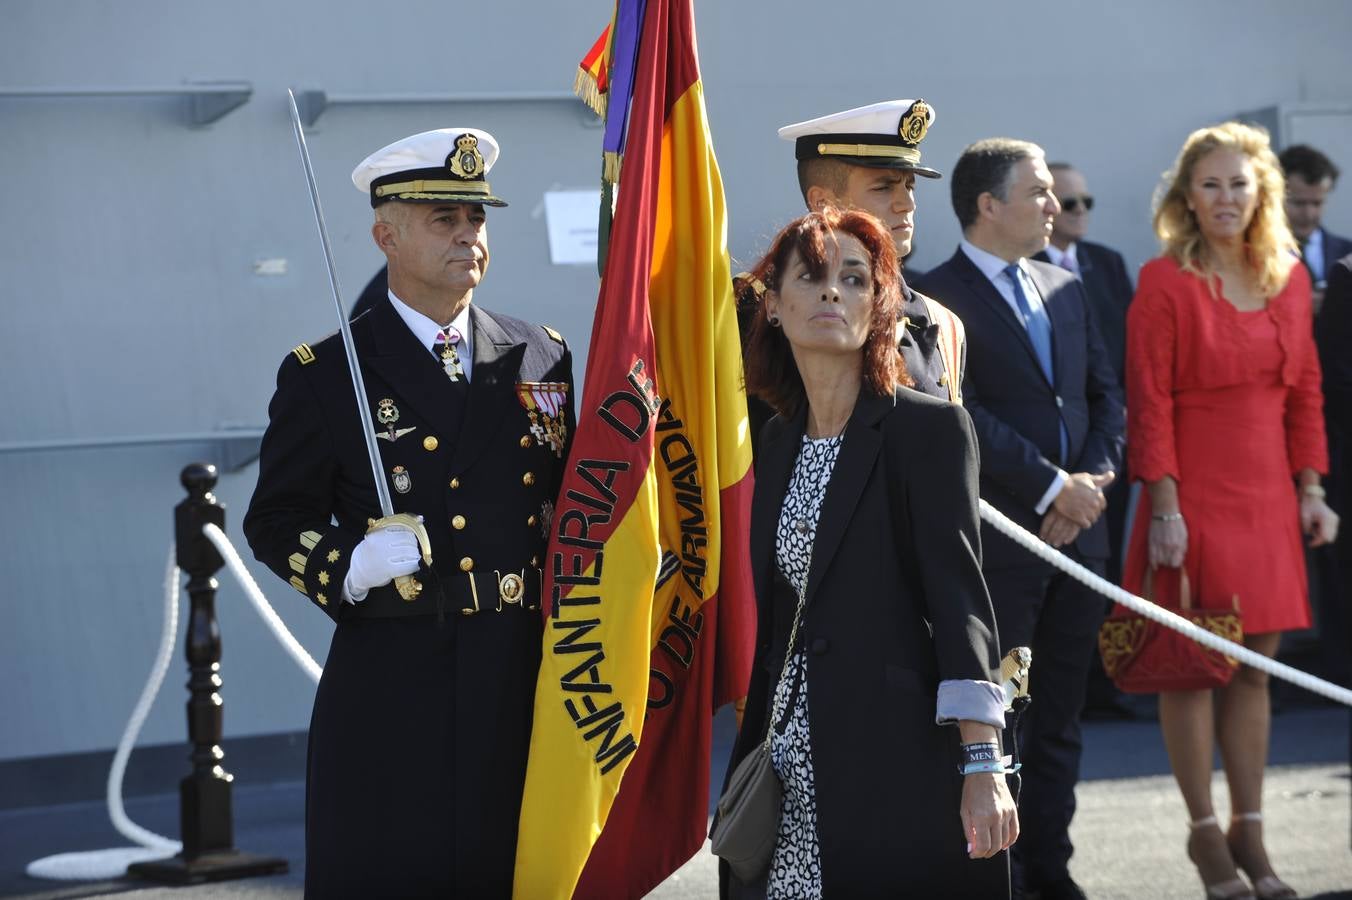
1066 259
993 267
426 330
1313 252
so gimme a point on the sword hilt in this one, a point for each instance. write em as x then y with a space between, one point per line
407 586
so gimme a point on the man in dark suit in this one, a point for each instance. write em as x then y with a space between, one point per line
421 724
1333 332
1049 418
1310 178
1108 287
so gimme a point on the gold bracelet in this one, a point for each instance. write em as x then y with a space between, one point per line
1314 490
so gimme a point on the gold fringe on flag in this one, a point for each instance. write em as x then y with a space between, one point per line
610 168
584 85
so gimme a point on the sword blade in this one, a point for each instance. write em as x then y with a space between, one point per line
358 384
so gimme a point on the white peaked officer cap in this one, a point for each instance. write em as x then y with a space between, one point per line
883 135
449 165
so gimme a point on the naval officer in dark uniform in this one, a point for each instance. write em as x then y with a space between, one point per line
868 159
421 723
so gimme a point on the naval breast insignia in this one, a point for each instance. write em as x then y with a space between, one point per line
387 414
403 482
465 160
915 123
544 402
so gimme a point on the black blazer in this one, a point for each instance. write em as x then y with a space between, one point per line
895 604
1333 333
1335 248
1108 285
1016 411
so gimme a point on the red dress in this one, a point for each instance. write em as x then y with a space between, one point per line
1228 403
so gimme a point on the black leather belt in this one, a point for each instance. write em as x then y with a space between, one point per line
467 594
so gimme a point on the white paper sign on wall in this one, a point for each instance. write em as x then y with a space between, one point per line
571 218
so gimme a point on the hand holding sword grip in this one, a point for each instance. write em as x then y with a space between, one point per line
408 586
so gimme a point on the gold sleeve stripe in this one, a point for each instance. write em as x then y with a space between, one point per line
304 354
297 561
308 539
297 584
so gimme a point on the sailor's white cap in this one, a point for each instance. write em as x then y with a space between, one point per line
883 135
448 165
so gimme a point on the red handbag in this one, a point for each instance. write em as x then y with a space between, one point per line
1142 656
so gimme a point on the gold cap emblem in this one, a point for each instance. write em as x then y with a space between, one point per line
915 123
466 161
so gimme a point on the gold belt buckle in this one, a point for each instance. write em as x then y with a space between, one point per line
511 588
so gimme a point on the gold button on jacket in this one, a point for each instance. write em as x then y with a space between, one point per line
430 442
458 523
466 564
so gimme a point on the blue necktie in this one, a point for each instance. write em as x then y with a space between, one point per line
1039 329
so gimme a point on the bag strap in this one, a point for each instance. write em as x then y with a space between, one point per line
1184 587
775 710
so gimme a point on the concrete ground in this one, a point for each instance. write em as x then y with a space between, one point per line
1129 831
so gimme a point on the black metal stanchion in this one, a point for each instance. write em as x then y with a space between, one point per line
205 815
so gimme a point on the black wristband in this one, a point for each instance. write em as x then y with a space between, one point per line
982 752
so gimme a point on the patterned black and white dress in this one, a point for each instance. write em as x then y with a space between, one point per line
796 868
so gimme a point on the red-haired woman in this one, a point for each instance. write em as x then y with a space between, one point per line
865 518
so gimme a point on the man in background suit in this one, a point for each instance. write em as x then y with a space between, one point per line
1333 332
1310 178
1108 286
1049 418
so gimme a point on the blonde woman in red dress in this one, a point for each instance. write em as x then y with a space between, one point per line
1227 431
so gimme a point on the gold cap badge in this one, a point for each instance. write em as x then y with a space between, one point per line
915 123
466 161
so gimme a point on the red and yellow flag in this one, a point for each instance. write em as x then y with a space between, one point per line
649 612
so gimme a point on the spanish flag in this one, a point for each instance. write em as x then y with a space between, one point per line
649 613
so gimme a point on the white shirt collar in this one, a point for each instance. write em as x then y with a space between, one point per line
426 331
990 265
1058 256
424 328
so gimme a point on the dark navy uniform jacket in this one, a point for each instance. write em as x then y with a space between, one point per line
421 724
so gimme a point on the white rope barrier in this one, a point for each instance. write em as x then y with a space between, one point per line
95 865
255 594
112 863
1035 545
99 865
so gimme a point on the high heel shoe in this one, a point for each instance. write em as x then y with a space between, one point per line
1266 884
1227 885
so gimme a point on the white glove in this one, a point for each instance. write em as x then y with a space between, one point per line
378 559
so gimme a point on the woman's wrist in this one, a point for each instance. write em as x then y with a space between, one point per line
1312 491
1166 517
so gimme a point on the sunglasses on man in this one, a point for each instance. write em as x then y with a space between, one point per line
1073 204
